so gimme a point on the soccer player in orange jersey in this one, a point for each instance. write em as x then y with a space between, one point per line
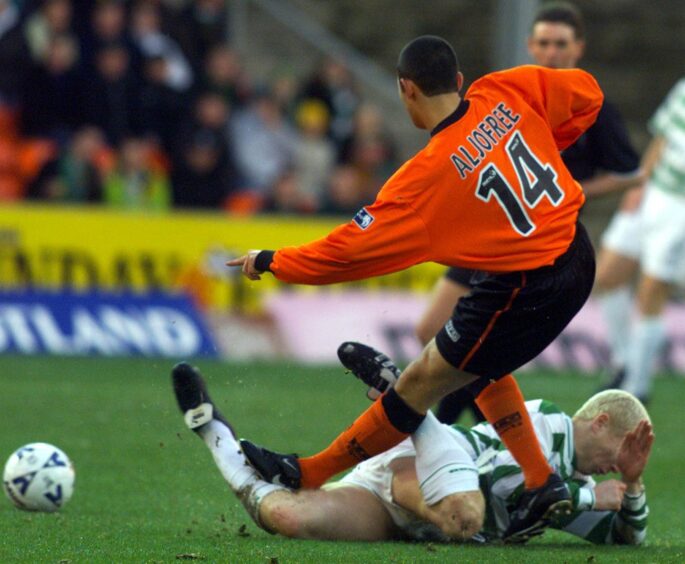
489 192
602 160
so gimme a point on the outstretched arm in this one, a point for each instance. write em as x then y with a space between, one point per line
248 265
395 240
385 237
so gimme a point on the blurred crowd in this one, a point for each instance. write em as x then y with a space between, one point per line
145 105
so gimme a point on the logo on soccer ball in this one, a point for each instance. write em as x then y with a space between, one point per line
363 218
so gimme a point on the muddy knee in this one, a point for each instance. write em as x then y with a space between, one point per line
460 516
282 517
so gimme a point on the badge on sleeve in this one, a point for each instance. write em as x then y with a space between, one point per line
363 218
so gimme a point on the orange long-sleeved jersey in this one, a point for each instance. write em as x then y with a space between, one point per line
489 191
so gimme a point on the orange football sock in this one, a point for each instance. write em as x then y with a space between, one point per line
503 405
371 434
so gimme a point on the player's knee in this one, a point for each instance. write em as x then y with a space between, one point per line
460 516
290 517
282 518
425 381
303 521
614 271
652 296
423 369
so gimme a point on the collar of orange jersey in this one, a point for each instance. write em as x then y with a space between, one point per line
450 119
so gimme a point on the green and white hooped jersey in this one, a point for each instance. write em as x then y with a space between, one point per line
669 123
501 481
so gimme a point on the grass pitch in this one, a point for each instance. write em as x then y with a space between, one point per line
147 489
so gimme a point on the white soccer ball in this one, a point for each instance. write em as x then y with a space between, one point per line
39 477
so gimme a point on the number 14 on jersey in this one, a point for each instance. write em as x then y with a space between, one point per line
536 180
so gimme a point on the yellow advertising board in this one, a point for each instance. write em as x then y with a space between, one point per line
51 247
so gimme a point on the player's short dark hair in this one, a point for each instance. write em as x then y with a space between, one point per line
562 12
431 63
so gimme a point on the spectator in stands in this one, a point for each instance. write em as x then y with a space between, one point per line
21 159
285 197
201 26
369 132
160 106
109 22
263 142
314 156
14 54
110 94
201 175
210 111
146 30
345 194
332 84
52 19
210 114
223 73
136 183
76 174
48 108
284 87
129 69
81 18
370 150
108 27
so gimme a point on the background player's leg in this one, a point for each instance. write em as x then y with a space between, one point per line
445 296
617 266
446 293
617 307
648 336
615 272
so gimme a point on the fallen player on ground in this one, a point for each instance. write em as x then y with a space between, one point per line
449 483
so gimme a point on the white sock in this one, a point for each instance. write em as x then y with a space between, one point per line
617 309
229 458
648 337
442 466
227 455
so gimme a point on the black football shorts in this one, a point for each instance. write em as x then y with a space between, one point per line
460 275
508 319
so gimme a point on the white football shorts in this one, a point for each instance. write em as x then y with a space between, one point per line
623 235
663 239
375 475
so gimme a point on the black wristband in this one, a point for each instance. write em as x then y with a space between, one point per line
264 260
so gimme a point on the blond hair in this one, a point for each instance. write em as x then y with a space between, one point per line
624 409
